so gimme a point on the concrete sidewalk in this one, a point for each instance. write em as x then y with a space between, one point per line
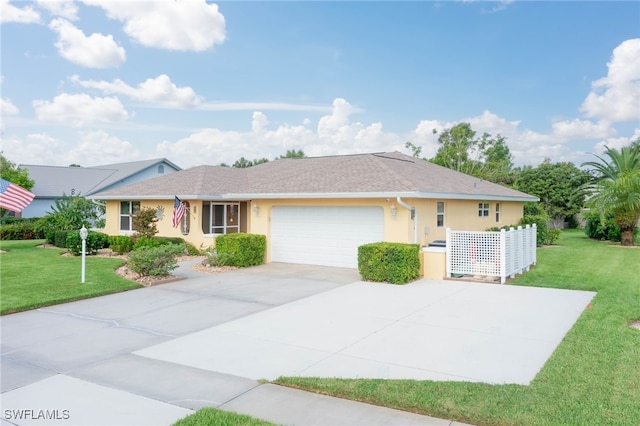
128 358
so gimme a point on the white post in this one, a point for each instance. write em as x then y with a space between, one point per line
503 256
83 236
448 253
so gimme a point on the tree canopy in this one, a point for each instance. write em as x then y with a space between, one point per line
14 174
559 187
487 157
243 162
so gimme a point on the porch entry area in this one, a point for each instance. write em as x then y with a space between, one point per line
322 235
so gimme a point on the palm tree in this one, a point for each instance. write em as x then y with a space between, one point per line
616 188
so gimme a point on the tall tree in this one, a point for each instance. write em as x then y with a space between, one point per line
14 174
559 187
615 189
487 157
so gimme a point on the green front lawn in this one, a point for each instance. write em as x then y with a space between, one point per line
32 277
593 378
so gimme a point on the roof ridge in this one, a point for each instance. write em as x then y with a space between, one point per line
377 158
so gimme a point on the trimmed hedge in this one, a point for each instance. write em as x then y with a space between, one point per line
241 249
395 263
21 230
95 241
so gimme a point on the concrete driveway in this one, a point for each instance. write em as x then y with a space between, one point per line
150 356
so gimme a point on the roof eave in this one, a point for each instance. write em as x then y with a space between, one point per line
318 195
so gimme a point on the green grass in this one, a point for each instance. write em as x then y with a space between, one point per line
593 377
211 416
33 277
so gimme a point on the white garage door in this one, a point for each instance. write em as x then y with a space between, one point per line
327 236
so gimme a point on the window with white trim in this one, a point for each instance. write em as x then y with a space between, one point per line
127 210
497 212
483 209
440 214
220 218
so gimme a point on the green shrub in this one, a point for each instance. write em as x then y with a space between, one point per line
155 261
215 259
169 240
394 263
552 236
598 229
144 222
191 249
146 242
60 238
241 249
20 230
121 244
95 241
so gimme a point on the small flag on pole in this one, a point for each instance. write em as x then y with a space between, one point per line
14 197
178 211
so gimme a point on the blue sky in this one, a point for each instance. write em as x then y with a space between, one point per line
101 81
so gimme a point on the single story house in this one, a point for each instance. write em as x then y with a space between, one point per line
319 210
52 182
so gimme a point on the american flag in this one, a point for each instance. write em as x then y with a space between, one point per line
178 211
14 197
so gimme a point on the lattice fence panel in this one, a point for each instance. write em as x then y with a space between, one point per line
491 254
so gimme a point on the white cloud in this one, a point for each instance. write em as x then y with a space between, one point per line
616 97
582 129
21 15
91 149
95 51
98 147
158 91
334 134
191 25
616 143
34 146
7 107
64 8
259 122
492 123
80 109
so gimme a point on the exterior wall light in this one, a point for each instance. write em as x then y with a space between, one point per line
394 211
256 209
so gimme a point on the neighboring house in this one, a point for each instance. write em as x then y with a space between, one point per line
52 182
319 210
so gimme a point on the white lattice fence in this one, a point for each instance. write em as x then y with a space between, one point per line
492 254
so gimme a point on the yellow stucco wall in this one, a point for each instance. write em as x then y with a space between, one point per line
459 215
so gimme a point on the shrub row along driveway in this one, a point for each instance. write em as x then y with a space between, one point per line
148 356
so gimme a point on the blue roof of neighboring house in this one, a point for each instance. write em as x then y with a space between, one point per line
53 181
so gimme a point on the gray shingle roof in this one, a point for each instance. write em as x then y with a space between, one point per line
357 176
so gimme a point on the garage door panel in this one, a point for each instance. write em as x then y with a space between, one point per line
323 235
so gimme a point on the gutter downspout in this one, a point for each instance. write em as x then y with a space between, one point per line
414 218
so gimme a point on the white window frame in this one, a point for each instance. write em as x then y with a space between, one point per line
440 214
484 209
497 212
225 227
133 206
